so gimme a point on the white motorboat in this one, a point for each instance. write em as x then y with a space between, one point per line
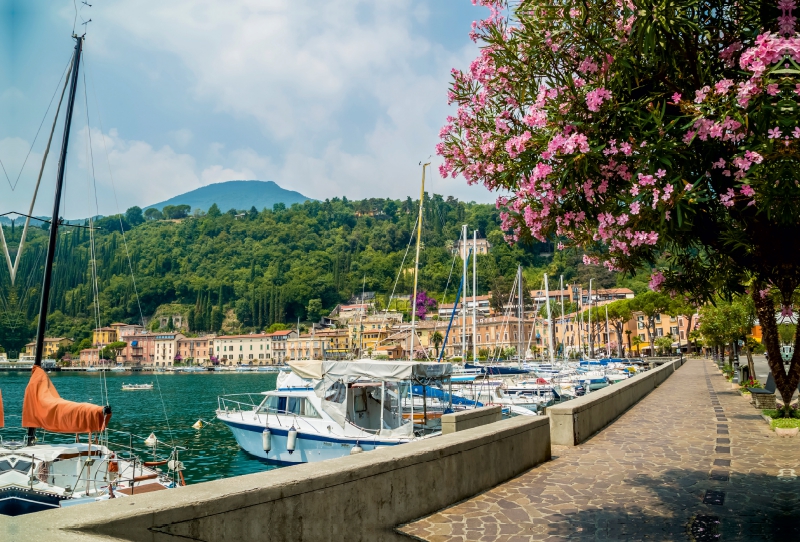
118 369
328 409
137 387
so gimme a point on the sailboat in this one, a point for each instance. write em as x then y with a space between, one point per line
34 475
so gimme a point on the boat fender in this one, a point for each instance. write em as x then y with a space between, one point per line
112 463
266 439
291 439
357 449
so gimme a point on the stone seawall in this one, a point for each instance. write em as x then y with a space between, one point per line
575 421
356 498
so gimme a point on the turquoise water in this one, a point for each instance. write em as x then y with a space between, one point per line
212 451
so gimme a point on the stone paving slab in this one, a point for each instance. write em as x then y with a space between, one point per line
674 467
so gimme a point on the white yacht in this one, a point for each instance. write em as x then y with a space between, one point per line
327 409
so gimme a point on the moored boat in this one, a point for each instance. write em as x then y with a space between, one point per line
328 409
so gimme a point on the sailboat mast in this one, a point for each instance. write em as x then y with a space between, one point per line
416 263
591 343
463 312
520 314
51 247
549 319
474 297
563 325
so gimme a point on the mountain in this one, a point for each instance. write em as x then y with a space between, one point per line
240 195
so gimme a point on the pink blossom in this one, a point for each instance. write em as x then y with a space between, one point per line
796 132
656 280
774 133
660 173
723 86
635 208
747 190
700 95
676 98
772 89
595 98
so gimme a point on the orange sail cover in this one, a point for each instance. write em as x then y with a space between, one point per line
44 408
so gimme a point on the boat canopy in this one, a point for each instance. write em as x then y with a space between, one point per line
43 407
389 371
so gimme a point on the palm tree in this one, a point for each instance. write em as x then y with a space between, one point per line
437 339
636 342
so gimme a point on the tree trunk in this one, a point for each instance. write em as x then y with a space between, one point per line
785 383
750 365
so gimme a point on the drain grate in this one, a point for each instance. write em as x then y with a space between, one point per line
723 441
714 497
722 462
723 449
720 475
703 528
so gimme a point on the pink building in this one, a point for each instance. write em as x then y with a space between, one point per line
140 349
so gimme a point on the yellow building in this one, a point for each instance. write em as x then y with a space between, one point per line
104 336
51 346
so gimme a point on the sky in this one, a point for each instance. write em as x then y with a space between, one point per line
330 98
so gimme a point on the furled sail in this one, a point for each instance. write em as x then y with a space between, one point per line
44 408
2 416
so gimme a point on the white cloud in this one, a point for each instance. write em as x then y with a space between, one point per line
349 94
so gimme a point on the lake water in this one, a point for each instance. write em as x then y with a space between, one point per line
212 451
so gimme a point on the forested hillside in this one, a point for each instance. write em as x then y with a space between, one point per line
267 265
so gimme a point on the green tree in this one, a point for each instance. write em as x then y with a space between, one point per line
133 216
277 327
314 309
214 212
652 305
153 214
216 319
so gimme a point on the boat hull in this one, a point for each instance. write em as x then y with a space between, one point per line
309 447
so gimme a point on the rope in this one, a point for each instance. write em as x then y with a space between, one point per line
13 268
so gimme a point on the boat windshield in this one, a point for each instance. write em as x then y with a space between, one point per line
281 404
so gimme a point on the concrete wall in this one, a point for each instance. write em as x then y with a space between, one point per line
355 498
467 419
573 422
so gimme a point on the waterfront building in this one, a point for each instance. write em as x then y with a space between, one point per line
166 346
89 356
337 343
140 349
103 336
279 344
196 350
306 346
51 346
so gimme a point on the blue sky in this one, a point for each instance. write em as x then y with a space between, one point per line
330 98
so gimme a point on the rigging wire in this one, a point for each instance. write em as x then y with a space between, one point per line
92 187
67 69
122 230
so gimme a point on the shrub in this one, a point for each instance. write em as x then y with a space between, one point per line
785 423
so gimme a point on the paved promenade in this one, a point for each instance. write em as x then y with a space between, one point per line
692 461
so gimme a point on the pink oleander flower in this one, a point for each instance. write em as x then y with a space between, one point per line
774 133
747 190
772 89
656 280
723 86
676 98
595 98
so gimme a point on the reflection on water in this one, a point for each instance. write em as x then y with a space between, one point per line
186 397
